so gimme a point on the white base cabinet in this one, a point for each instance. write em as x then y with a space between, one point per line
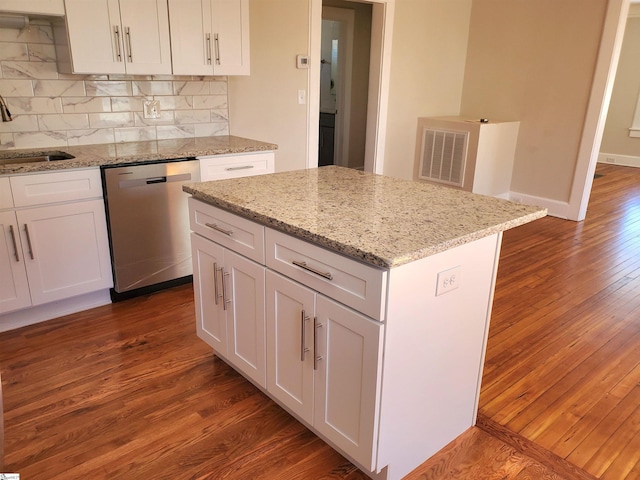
377 362
53 250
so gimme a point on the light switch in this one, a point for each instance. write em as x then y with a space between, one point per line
302 97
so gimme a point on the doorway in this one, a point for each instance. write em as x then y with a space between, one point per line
344 82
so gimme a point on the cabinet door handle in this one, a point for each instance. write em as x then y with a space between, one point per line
215 281
217 45
304 266
219 229
116 33
127 32
26 230
15 242
244 167
316 357
303 346
225 301
208 44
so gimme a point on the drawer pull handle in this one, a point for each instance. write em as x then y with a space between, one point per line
15 243
116 32
208 43
219 229
244 167
26 230
303 347
304 266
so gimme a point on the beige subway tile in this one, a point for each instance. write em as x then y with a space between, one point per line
86 104
58 88
185 117
90 136
210 102
191 88
175 131
219 115
40 139
152 88
108 88
176 102
135 134
20 123
26 105
126 104
30 70
117 119
6 141
39 52
67 121
16 88
14 51
211 129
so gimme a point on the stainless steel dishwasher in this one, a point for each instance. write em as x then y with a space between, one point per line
148 222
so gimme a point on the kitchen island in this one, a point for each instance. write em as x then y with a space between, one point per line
360 303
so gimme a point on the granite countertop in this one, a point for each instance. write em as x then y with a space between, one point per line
132 152
380 220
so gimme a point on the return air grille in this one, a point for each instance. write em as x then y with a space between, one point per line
443 156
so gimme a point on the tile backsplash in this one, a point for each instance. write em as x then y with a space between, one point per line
52 109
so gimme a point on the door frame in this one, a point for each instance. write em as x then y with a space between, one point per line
379 75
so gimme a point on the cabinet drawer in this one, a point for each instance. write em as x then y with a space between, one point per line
52 187
229 230
217 167
360 286
6 200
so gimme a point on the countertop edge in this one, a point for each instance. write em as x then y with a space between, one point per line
349 250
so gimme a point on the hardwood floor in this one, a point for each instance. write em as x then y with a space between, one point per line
127 391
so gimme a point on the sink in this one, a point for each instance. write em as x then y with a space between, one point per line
43 157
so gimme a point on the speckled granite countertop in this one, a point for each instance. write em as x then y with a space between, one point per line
133 152
380 220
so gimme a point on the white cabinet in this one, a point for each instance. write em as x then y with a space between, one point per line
209 37
53 251
378 362
218 167
324 364
229 294
111 36
14 288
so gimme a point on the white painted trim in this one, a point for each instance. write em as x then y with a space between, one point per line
555 208
595 119
624 160
379 75
48 311
313 82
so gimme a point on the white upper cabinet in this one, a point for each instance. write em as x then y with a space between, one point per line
210 37
115 36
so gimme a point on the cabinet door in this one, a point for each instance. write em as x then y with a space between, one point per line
243 290
290 310
211 323
145 27
95 36
191 37
348 377
14 288
230 20
66 250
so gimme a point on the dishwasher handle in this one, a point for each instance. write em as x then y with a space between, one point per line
156 180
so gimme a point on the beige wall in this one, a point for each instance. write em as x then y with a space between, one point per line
534 61
427 69
616 140
264 106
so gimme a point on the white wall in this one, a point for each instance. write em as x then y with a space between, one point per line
264 106
616 142
427 69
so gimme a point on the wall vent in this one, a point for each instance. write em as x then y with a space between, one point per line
443 156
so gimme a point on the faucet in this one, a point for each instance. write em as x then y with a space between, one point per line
4 111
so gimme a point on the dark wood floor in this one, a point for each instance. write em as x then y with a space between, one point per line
126 391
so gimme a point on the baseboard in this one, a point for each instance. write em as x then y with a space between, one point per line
525 446
624 160
554 207
48 311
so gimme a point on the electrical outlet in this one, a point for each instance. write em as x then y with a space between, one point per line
448 280
152 109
